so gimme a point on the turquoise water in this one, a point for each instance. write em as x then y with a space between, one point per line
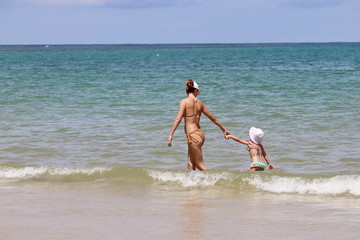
83 132
112 106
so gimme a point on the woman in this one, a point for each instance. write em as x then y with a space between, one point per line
191 109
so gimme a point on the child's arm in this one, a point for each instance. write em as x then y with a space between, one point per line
237 139
266 157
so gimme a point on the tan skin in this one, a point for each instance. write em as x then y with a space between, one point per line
192 123
257 151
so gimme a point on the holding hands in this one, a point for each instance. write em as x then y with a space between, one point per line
226 133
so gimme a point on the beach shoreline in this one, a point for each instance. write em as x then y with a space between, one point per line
120 211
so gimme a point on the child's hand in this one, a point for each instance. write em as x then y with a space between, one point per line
271 167
227 136
226 133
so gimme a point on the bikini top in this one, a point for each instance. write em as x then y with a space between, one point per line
257 148
195 112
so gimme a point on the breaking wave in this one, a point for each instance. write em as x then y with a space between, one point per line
270 182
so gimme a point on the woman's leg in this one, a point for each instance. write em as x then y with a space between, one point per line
191 165
195 153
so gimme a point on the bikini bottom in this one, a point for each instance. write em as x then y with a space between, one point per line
258 166
199 133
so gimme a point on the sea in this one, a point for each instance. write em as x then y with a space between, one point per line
83 132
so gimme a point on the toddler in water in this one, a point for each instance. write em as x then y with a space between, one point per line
259 158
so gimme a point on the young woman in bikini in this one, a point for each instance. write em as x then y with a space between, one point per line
191 109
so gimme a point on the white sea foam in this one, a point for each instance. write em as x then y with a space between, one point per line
342 184
321 186
8 174
71 171
11 173
189 179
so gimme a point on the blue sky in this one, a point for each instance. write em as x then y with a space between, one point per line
178 21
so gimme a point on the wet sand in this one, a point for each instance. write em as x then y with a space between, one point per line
123 211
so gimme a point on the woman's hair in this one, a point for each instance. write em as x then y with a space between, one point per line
189 86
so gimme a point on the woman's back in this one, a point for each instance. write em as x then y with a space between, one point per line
193 110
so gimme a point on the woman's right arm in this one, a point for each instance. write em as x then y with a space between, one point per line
177 121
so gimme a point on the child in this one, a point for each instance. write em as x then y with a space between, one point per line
255 148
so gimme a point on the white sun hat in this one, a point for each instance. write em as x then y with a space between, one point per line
196 85
256 135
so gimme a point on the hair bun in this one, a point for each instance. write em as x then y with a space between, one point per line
189 84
